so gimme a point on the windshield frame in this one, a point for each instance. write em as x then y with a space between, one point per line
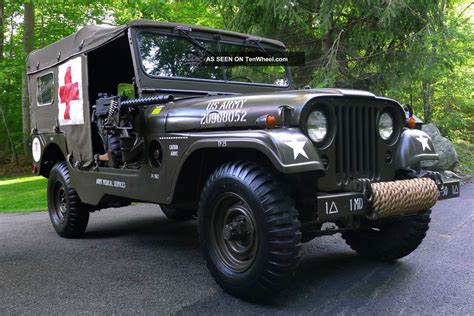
207 37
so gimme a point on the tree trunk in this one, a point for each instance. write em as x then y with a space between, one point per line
426 92
327 37
2 29
4 119
12 32
10 140
28 42
426 85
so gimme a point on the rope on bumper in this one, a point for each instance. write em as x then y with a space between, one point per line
403 196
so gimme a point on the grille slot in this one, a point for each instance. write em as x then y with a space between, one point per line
356 143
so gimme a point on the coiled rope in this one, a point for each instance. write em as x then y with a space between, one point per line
403 196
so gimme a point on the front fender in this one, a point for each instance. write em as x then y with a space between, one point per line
288 149
414 146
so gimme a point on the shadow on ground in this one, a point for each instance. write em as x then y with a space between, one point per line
329 271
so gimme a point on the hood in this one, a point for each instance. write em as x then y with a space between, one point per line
244 110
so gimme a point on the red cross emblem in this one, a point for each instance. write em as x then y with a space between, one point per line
68 92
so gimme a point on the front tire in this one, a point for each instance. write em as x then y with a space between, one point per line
68 214
248 230
390 241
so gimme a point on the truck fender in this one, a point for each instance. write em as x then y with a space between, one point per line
47 147
414 146
289 150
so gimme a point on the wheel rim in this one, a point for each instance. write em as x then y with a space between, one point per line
233 232
60 202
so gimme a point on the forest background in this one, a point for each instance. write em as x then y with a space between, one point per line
419 52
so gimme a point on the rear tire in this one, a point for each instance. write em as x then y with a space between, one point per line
390 241
249 231
68 214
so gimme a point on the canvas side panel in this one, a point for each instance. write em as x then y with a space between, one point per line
74 109
43 116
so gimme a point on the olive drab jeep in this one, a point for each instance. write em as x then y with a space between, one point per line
135 113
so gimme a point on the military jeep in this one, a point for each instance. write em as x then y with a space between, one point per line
136 114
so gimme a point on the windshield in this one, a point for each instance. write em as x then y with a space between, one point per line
178 57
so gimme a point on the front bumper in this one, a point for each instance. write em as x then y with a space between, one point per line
398 198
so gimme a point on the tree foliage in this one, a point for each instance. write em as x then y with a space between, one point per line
417 51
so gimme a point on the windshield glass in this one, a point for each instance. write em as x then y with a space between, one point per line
170 56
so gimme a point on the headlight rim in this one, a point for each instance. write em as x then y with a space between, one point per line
326 117
390 138
331 123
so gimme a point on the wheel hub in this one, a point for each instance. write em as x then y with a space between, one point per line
237 230
60 204
234 233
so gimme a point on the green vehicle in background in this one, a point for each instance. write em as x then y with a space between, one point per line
136 113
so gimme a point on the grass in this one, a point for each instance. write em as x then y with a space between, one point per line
465 152
22 194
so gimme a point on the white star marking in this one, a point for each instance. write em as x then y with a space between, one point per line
424 142
298 148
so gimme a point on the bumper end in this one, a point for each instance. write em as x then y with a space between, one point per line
449 190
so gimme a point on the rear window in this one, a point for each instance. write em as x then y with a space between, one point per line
45 89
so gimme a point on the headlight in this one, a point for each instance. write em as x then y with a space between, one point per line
317 125
385 126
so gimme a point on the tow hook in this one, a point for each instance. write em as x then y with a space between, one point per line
436 177
361 185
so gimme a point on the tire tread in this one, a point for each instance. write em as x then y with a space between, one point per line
401 239
77 216
283 228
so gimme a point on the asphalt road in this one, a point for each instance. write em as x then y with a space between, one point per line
134 260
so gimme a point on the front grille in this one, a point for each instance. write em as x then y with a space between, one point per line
356 143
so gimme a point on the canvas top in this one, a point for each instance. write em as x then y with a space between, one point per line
92 36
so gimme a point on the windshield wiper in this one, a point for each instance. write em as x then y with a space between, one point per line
184 30
256 41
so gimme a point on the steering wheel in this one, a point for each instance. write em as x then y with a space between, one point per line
241 77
